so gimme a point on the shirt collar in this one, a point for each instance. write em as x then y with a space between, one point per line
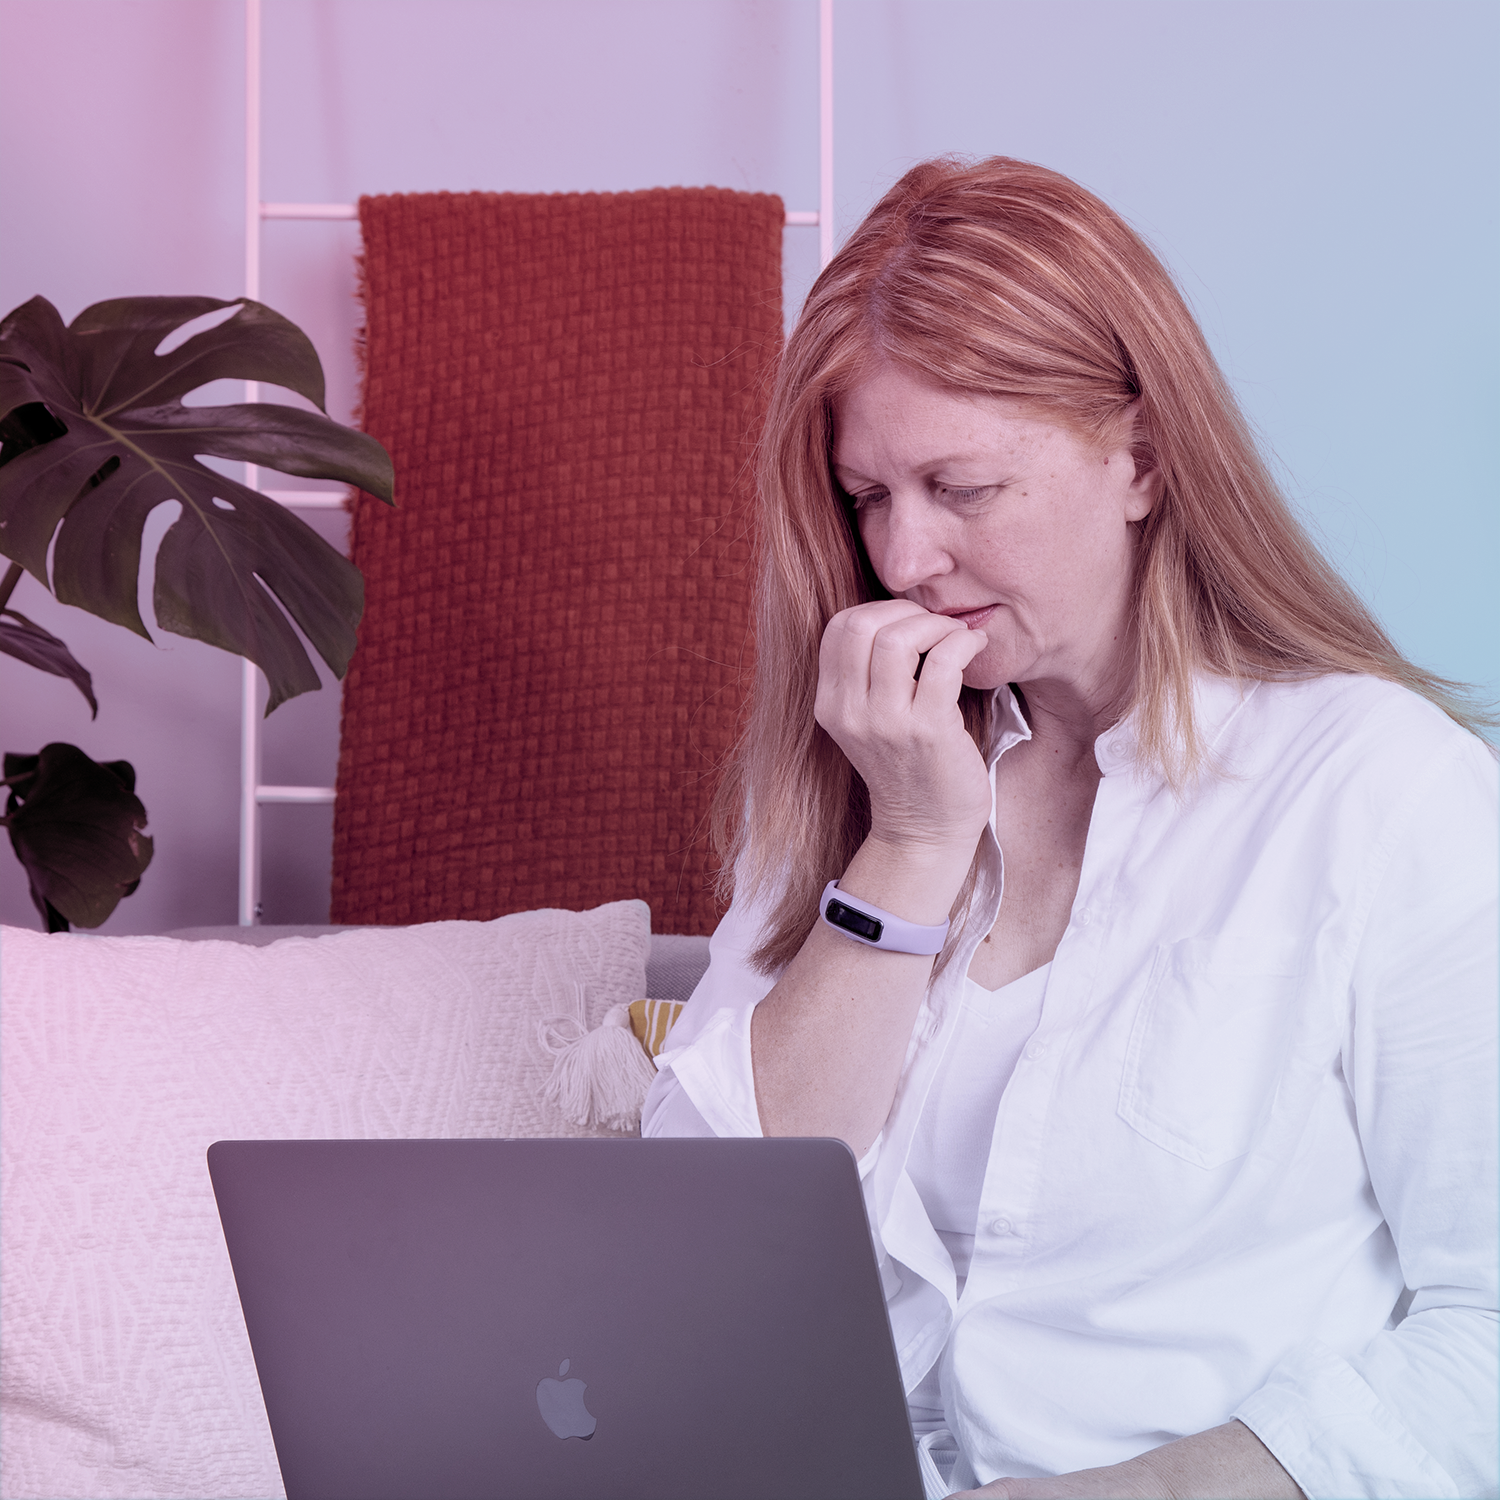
1216 700
1013 725
1115 749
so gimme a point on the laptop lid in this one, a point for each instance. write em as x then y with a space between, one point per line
585 1320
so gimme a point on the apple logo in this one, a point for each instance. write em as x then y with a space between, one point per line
561 1405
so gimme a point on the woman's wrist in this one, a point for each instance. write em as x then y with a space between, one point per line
916 880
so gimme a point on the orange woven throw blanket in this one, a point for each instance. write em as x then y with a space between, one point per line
557 616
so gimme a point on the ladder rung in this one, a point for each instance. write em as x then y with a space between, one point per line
309 211
796 218
307 499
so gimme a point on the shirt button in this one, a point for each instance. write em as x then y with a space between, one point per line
1035 1049
1118 747
1001 1226
1085 917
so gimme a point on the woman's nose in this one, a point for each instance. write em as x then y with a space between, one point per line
906 545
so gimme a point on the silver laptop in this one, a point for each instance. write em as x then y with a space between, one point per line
584 1320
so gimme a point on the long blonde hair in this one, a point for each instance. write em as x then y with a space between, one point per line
1003 278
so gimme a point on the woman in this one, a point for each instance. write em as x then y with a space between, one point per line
1180 1158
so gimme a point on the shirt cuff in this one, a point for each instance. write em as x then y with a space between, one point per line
1334 1435
715 1072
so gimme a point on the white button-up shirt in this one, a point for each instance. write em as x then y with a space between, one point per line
1246 1164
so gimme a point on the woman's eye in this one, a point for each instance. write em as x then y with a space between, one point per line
868 497
964 497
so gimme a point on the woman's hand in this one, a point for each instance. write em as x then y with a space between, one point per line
904 734
828 1042
1224 1463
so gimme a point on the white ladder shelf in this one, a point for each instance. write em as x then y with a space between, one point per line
254 794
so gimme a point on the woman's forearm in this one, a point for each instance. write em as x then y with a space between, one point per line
1224 1463
829 1040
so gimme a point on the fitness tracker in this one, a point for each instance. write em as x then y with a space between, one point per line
875 928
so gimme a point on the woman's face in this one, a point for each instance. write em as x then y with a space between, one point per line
970 508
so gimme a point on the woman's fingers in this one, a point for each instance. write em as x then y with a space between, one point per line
877 649
897 650
888 659
850 637
943 669
903 733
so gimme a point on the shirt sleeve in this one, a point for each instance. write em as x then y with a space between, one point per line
705 1084
709 1057
1414 1413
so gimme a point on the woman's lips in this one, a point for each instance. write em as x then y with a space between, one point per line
973 618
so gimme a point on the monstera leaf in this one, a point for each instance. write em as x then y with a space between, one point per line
76 826
94 436
29 642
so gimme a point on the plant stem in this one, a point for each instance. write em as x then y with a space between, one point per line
9 582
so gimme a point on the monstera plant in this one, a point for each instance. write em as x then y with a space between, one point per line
94 436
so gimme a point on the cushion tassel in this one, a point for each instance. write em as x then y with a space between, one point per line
599 1077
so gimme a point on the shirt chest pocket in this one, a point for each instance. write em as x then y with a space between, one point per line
1207 1047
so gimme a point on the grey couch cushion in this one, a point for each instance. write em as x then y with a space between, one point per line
674 965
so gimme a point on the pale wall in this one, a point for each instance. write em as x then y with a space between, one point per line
1322 177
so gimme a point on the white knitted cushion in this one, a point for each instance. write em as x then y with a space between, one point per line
124 1366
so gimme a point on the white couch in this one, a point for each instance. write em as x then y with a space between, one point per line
124 1366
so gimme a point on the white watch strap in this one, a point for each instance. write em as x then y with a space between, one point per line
875 928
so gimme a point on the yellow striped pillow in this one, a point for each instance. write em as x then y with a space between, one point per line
651 1020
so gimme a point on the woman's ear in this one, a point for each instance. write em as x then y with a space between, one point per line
1141 494
1140 497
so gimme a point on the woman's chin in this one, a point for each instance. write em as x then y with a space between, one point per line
986 679
992 668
